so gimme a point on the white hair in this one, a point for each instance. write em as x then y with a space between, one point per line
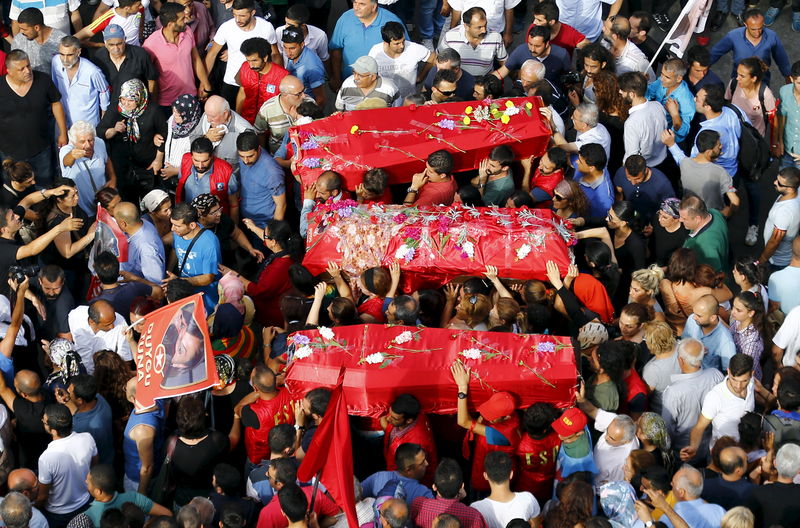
628 426
534 67
738 517
684 353
80 128
787 461
691 480
589 114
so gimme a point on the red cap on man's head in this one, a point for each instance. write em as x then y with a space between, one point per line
499 405
571 422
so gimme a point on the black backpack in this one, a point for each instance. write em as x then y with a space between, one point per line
754 157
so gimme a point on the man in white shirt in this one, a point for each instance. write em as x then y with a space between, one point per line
244 25
628 56
586 16
783 221
499 15
502 505
646 120
724 405
477 46
63 467
586 121
97 327
399 59
786 342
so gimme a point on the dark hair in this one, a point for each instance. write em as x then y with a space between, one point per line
127 3
310 109
294 503
84 386
502 154
642 313
299 13
498 466
753 12
645 21
548 9
476 285
635 164
247 140
292 35
228 477
281 437
658 476
537 418
448 478
344 311
285 470
406 309
791 175
681 265
756 67
694 206
540 31
597 522
106 267
543 89
178 289
789 394
281 232
231 517
740 364
441 161
59 418
594 155
558 157
470 195
113 518
751 269
706 140
796 69
169 12
576 501
431 303
244 4
599 256
715 96
103 477
538 317
105 195
491 85
263 378
405 455
202 145
406 405
444 76
470 13
184 212
699 54
377 280
17 171
375 181
393 31
753 302
30 17
626 212
191 417
302 279
634 82
319 399
600 54
51 273
611 358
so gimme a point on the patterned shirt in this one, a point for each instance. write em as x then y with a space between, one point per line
748 341
480 59
424 511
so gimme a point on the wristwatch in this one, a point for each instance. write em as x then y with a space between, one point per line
412 190
462 395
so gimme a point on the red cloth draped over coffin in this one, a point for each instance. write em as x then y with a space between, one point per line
399 140
434 245
383 361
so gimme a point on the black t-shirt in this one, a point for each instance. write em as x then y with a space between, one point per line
141 153
56 309
51 254
25 121
776 505
32 438
193 465
8 257
665 243
123 295
9 197
137 65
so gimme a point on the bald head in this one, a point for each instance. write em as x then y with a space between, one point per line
395 511
216 104
706 305
21 480
291 85
28 383
127 212
733 462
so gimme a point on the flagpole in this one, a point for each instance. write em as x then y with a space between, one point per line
314 493
671 32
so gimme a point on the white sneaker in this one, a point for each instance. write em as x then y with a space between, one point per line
751 237
428 43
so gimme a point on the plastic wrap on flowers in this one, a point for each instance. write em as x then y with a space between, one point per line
399 140
383 361
437 244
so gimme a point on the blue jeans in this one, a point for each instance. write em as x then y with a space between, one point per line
753 197
42 164
788 161
429 19
734 6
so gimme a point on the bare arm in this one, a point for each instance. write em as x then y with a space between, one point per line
67 248
772 244
7 344
461 377
211 56
38 245
316 306
341 285
143 436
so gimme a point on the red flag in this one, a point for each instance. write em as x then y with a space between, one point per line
331 453
174 355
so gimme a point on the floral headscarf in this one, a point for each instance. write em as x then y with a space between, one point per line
226 369
133 89
190 111
65 359
617 500
655 430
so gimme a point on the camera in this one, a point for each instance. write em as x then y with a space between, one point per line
572 77
18 273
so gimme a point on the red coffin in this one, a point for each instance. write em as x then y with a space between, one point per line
383 361
447 242
400 139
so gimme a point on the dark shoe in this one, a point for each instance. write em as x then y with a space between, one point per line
663 21
716 21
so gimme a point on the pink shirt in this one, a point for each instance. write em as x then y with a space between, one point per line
174 64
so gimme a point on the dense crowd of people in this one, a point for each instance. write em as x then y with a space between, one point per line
174 117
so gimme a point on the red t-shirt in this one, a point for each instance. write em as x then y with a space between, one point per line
272 516
547 183
437 193
258 88
373 307
536 465
568 37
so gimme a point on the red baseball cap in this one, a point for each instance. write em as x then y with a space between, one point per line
499 405
571 422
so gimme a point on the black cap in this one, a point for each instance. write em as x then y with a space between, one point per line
292 35
19 211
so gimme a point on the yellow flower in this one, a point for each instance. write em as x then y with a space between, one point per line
528 106
504 119
468 110
509 104
466 120
354 129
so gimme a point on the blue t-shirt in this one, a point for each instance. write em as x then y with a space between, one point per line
599 194
96 508
412 489
308 68
260 182
203 259
556 63
97 423
355 39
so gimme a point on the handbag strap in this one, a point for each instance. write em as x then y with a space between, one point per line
91 176
189 249
171 442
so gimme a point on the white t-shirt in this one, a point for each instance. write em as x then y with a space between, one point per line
87 342
402 70
585 16
148 16
495 10
788 337
56 13
498 514
231 34
785 216
64 466
725 409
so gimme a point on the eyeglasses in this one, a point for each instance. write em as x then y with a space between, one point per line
558 197
298 94
779 184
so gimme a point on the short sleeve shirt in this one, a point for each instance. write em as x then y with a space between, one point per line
28 117
402 70
231 34
495 10
725 409
203 259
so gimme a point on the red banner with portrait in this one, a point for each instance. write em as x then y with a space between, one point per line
174 355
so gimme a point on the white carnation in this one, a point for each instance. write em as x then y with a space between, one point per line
471 353
303 352
374 359
468 248
523 251
405 337
326 333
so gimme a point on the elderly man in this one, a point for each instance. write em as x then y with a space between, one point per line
708 232
120 62
777 504
365 83
676 97
627 56
84 89
85 161
36 39
16 510
26 119
356 31
279 113
732 488
450 59
724 406
222 126
538 46
328 185
687 487
399 59
478 47
24 481
585 119
97 327
705 326
146 258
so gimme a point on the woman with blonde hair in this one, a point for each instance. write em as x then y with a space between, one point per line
472 312
657 373
738 517
644 288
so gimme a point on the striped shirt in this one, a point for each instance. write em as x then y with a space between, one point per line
350 95
480 59
130 25
55 12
